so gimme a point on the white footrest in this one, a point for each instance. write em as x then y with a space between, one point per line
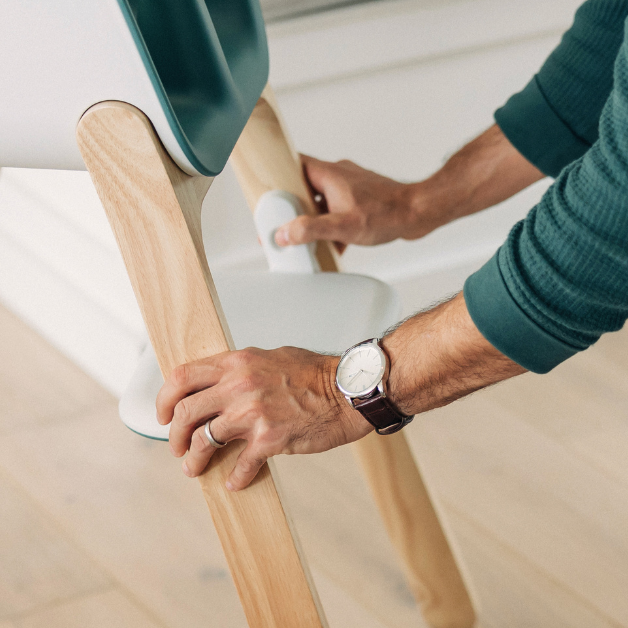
322 312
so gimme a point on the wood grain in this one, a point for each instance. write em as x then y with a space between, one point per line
414 528
531 493
109 609
154 210
123 501
61 387
39 564
264 159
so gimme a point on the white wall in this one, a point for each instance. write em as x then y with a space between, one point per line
395 86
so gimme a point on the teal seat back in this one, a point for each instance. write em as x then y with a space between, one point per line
208 62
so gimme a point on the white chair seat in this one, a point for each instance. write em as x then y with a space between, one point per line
326 312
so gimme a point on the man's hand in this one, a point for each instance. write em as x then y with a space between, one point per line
361 207
281 402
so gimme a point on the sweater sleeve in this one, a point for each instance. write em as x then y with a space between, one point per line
554 120
561 278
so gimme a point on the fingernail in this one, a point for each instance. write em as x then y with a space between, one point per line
172 451
230 487
186 470
281 237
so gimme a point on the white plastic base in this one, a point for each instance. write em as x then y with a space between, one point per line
323 312
292 306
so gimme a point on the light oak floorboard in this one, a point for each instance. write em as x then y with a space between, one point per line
582 404
110 609
512 591
128 502
125 500
534 495
37 383
341 610
536 509
343 536
38 564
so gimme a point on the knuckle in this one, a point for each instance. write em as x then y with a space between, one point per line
180 376
361 221
300 227
245 357
183 412
198 442
253 462
266 439
248 382
257 407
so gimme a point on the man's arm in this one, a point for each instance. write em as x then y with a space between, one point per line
550 123
362 207
554 120
285 401
439 356
558 283
561 279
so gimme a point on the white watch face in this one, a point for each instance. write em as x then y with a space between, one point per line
361 370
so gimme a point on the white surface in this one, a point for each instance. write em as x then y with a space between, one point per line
378 35
59 59
324 312
275 208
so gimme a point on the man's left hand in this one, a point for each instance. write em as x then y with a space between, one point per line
283 401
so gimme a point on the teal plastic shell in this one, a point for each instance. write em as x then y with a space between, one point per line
208 62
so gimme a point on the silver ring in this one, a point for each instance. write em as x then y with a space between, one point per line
213 442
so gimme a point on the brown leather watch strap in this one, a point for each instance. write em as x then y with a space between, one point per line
381 414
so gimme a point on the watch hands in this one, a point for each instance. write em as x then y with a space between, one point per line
358 373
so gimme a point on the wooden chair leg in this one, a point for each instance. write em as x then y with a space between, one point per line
154 210
264 160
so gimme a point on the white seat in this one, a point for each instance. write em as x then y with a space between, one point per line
60 58
325 312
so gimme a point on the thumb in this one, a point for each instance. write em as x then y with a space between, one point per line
317 172
305 229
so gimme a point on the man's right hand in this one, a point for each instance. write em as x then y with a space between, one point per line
359 206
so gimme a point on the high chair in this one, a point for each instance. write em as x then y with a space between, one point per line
159 94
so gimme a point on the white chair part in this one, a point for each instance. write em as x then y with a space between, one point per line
275 208
59 59
323 312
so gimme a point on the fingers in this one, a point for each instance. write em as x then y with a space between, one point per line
249 462
201 450
191 412
305 229
186 379
200 454
316 172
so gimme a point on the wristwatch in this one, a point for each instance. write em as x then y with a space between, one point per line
361 375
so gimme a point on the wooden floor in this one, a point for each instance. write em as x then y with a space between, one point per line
99 529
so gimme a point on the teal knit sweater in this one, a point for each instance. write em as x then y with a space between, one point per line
561 279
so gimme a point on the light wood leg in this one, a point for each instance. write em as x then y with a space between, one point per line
264 160
154 210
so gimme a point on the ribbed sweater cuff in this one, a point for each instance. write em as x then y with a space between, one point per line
537 132
506 326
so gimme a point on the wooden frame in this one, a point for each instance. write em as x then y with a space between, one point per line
154 210
264 159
